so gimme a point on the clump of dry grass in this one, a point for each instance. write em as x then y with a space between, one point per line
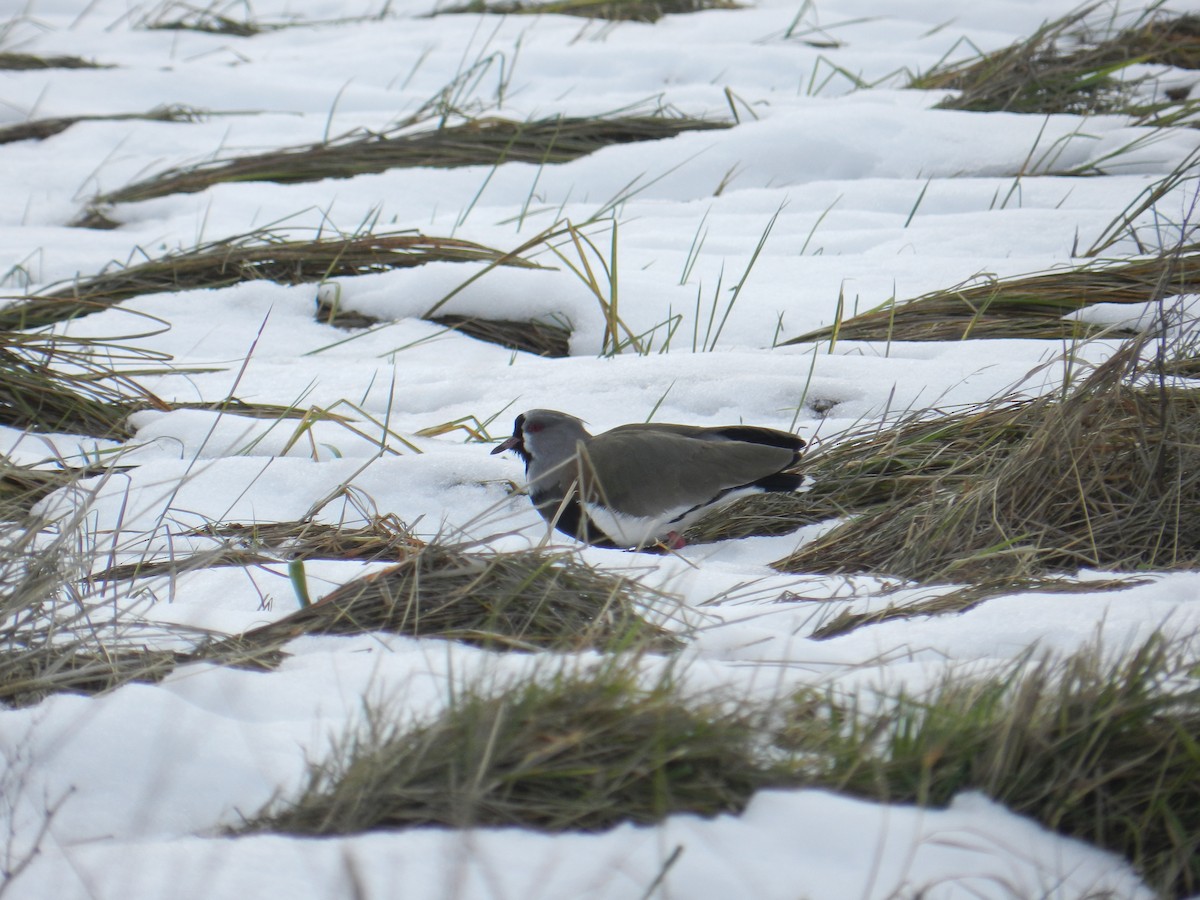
54 635
580 751
1100 751
522 600
1037 75
40 129
25 61
1106 477
539 337
1030 306
261 255
615 10
52 383
1105 754
479 142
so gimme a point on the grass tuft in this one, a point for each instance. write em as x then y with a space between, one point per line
1098 751
1105 477
260 255
479 142
1031 306
579 751
26 61
614 10
524 600
1064 68
52 383
1107 756
40 129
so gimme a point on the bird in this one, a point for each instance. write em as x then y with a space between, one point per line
639 486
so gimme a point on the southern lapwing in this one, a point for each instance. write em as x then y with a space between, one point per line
640 485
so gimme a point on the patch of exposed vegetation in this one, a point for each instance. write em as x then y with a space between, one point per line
614 10
1030 306
526 600
52 383
479 142
26 61
40 129
251 257
1102 754
579 751
541 338
1107 756
1106 477
1065 68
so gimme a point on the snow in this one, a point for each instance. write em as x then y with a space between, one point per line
861 193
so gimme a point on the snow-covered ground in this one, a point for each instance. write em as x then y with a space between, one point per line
874 194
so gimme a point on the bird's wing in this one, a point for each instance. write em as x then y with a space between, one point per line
649 473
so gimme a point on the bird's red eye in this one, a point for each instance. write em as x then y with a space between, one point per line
534 427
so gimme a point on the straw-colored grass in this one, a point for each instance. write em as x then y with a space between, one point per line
479 142
522 600
40 129
1101 752
579 751
1065 68
52 383
1030 306
54 637
962 599
540 337
1107 477
260 255
26 61
1105 755
614 10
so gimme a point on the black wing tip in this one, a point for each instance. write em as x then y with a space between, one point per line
780 482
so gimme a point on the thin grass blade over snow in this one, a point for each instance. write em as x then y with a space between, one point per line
40 129
1031 306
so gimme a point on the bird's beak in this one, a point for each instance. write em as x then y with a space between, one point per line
507 445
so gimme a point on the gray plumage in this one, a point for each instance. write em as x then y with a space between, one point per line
639 484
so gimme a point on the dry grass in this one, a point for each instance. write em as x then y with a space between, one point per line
54 636
26 61
581 751
541 338
548 339
57 384
257 256
525 600
40 129
614 10
1031 306
1107 477
1037 75
962 599
1101 752
1105 755
479 142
